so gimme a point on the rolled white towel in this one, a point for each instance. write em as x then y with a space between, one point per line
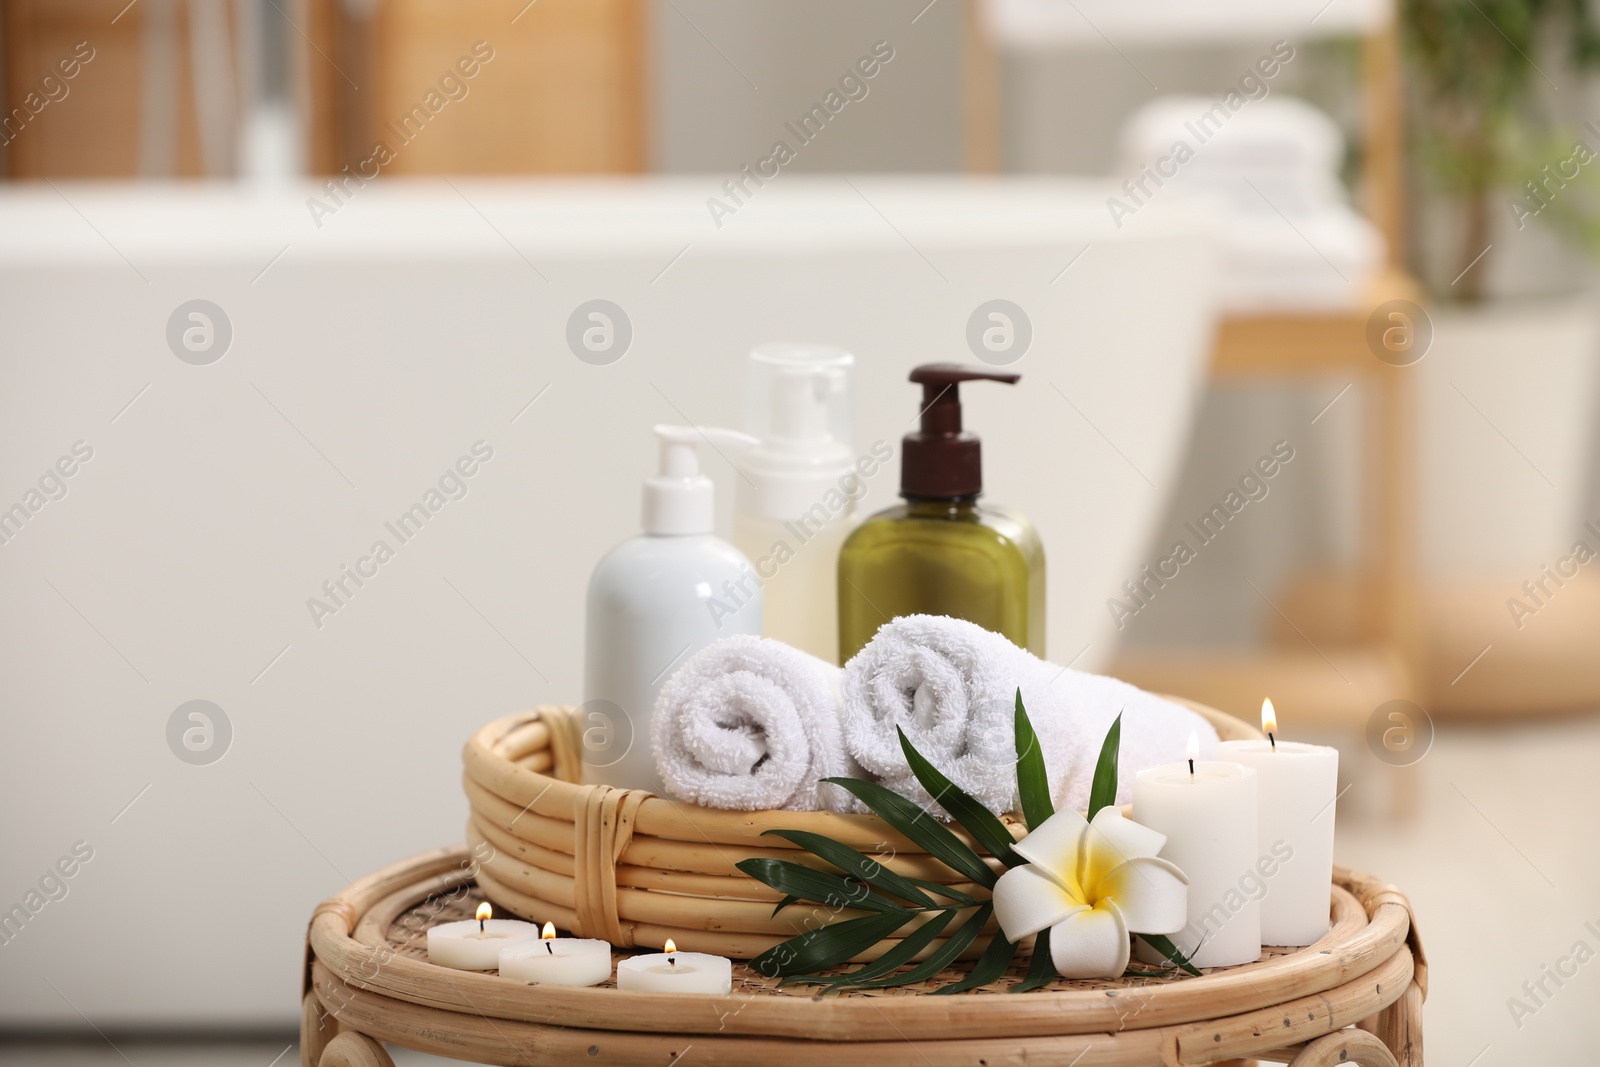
951 685
748 724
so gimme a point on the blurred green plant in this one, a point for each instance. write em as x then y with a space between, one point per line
1476 70
1554 163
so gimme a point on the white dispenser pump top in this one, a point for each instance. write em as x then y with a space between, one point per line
798 405
680 499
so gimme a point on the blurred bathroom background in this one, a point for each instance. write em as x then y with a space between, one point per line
1385 263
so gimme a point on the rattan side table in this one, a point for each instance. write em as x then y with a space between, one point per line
1354 997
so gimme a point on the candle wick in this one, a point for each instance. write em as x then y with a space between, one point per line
1191 768
1272 739
672 961
549 948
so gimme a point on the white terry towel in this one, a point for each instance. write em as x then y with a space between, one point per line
749 723
951 685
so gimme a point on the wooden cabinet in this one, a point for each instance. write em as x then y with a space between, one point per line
555 87
558 87
129 106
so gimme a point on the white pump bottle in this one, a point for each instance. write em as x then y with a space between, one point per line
796 501
654 601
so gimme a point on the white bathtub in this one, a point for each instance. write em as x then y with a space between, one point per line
367 356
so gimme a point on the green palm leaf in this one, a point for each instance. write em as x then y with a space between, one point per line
1103 792
857 865
941 958
828 946
1033 784
821 887
991 965
868 884
1163 944
919 827
896 957
784 903
1041 969
979 821
948 892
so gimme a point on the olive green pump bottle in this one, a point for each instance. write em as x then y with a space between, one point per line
941 552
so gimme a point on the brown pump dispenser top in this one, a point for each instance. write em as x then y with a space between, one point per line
940 461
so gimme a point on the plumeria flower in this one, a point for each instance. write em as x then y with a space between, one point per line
1091 883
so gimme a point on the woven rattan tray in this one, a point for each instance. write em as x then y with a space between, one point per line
1354 997
636 869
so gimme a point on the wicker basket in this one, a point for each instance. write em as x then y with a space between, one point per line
636 869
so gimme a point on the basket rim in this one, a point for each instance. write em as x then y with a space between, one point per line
1370 947
658 816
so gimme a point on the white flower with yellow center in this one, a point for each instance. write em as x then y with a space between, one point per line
1091 884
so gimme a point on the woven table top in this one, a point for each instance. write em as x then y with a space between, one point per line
407 935
367 971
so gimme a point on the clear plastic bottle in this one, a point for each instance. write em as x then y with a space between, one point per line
798 488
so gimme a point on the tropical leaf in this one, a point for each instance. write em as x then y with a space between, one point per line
921 828
1033 784
1163 944
896 957
948 892
940 958
821 887
857 865
1103 791
828 946
979 821
1041 969
991 965
866 883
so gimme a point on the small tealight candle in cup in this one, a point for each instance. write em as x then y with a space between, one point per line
475 944
675 972
557 960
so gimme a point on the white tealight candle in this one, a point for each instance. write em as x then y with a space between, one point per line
1296 787
675 972
1207 810
475 944
557 960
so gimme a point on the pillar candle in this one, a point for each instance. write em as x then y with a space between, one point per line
1296 785
1207 810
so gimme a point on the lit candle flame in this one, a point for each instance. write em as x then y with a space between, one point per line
671 947
1193 750
548 932
1269 723
485 913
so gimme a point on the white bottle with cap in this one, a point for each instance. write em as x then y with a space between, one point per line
796 501
654 601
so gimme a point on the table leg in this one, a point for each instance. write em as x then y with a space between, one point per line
1345 1047
1399 1026
351 1049
317 1028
